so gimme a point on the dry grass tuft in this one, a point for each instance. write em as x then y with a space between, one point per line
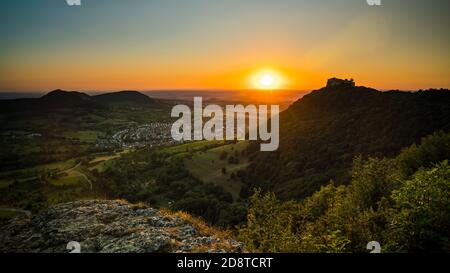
139 206
203 228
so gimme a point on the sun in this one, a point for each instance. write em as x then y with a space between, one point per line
267 80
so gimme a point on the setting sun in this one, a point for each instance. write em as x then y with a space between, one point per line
267 80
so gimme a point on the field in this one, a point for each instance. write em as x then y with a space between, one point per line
208 167
41 186
73 176
88 136
101 162
187 149
34 172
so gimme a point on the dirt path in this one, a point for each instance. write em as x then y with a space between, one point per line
26 179
71 169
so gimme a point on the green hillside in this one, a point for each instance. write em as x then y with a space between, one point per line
321 134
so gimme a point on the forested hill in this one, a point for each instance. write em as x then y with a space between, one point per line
321 134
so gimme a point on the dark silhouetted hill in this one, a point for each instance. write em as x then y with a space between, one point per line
124 98
321 133
60 99
69 100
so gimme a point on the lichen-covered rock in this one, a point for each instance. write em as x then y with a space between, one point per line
110 227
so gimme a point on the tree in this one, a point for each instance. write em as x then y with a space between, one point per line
223 155
404 212
268 227
422 222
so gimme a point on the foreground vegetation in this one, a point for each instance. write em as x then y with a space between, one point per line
403 203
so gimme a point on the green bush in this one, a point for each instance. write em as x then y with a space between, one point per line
403 203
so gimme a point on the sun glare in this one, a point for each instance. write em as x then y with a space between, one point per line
267 80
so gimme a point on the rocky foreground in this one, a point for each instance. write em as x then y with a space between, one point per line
112 227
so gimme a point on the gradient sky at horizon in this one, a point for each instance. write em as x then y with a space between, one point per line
219 44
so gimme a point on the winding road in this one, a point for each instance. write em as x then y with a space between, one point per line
78 173
28 213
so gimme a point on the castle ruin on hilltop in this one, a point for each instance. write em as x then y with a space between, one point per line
334 82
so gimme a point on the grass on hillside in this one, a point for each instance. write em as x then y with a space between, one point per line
190 147
207 166
28 173
88 136
102 162
71 177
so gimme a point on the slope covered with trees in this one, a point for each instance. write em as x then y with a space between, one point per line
321 134
403 203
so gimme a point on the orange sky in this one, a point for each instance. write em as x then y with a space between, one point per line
222 45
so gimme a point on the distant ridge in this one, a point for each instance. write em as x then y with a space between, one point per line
62 99
123 97
55 94
19 95
66 99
